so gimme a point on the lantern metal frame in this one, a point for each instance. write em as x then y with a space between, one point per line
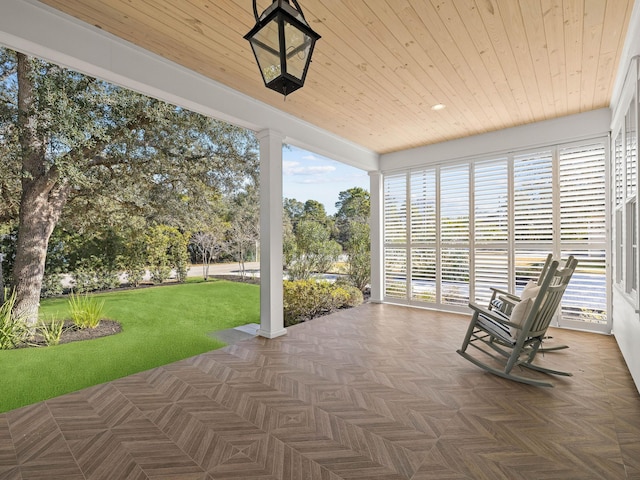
282 12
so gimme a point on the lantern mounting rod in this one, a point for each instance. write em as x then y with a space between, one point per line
295 2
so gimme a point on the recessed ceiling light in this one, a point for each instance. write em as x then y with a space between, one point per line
438 106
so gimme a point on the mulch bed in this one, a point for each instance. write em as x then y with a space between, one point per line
72 334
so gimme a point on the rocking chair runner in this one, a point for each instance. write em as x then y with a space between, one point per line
514 339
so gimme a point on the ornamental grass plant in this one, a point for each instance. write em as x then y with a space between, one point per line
86 310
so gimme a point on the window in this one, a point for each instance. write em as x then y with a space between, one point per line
395 236
625 185
631 247
453 231
423 236
583 230
454 234
491 227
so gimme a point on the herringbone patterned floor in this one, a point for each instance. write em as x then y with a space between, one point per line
375 392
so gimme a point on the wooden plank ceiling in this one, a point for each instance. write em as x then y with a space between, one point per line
382 64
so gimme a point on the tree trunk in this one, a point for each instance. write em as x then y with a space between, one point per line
39 214
41 202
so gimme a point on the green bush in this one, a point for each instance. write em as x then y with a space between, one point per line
306 299
135 275
13 329
160 273
84 279
85 311
355 296
51 285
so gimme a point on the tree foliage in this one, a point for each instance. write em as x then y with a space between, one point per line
354 206
78 149
313 250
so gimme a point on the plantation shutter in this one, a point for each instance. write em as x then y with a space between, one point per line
583 230
533 213
423 235
491 227
423 207
632 149
454 234
395 236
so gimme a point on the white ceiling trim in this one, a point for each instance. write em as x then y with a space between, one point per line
38 30
549 132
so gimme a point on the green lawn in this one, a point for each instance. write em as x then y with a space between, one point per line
160 325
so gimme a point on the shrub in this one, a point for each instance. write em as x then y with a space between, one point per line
51 331
354 295
306 299
107 279
84 280
51 285
13 329
160 273
85 311
135 275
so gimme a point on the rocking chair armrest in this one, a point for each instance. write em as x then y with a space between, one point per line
512 300
493 315
503 293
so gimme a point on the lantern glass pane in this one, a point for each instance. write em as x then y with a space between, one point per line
266 49
298 48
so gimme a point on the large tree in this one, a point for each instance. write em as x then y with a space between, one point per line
68 140
354 206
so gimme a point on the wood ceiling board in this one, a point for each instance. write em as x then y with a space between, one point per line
381 64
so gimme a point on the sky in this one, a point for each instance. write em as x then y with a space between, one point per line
307 176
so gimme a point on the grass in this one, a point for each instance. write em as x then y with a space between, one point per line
160 325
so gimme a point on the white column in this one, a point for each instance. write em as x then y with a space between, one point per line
271 315
375 187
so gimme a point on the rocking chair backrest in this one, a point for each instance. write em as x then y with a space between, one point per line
552 288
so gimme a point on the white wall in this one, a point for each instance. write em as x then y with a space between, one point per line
550 132
626 319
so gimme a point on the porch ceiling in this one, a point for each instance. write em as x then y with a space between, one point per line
382 64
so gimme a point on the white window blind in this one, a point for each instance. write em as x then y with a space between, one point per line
491 201
395 272
423 207
395 209
453 231
533 199
582 195
454 234
491 227
454 204
395 236
583 230
632 149
618 169
423 274
455 276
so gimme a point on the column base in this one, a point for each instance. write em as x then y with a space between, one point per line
268 334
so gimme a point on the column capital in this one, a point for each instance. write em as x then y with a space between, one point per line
270 133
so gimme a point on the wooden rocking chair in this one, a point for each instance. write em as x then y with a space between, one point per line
514 339
504 301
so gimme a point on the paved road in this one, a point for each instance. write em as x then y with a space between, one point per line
251 269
